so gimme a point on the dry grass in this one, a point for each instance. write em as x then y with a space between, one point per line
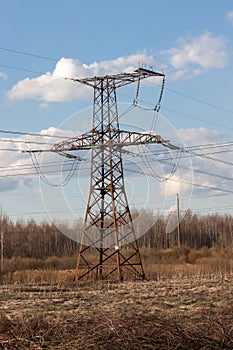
184 305
207 330
174 312
158 265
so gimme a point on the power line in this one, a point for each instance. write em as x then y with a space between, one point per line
16 132
143 173
194 117
150 159
212 209
200 101
130 97
34 71
203 146
174 111
29 54
190 183
26 142
29 166
21 52
168 89
21 69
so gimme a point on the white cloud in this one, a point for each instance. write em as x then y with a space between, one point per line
3 75
52 87
230 16
177 184
194 56
199 136
178 74
17 167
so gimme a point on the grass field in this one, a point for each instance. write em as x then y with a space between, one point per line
183 307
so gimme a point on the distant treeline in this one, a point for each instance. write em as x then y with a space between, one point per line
33 240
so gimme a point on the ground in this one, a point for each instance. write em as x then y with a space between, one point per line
179 312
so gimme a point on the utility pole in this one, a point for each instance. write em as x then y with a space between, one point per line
2 243
108 224
178 219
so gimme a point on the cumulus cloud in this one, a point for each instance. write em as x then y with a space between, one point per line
16 164
191 57
199 136
230 16
194 56
52 87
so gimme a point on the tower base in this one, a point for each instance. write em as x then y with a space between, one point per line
117 264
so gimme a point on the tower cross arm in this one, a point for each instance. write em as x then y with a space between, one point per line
129 138
119 138
84 141
120 79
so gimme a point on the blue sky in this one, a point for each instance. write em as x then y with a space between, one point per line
189 41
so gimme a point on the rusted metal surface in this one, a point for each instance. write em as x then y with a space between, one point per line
108 224
126 138
120 79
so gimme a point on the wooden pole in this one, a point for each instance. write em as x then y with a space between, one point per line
178 217
2 243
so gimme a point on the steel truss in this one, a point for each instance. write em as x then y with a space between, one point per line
108 224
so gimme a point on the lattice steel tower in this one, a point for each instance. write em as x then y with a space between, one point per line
108 224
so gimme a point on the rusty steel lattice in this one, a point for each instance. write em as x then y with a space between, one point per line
108 224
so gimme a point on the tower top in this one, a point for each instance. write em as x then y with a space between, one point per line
120 79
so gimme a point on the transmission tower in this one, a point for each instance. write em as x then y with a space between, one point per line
108 223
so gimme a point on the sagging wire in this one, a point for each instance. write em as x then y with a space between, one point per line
176 163
156 108
135 101
148 167
151 172
177 159
126 111
75 164
158 104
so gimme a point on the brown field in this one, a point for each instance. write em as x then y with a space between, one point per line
183 307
